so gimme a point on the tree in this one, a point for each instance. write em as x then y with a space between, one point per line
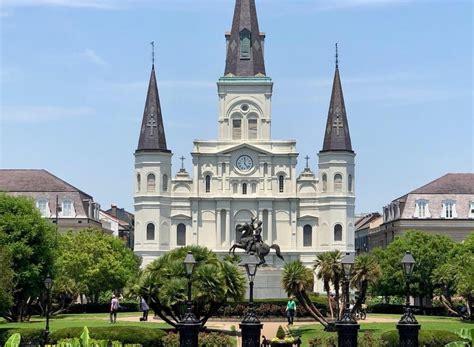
163 284
6 279
456 277
91 262
366 271
328 267
429 251
31 241
297 280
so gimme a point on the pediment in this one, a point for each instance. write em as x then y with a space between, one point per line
247 146
180 216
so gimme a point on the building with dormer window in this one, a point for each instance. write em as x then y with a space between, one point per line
245 173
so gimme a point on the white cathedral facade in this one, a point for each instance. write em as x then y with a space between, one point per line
245 173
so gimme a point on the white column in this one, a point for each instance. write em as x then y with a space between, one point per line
270 227
218 230
227 227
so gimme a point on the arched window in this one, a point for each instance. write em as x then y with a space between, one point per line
265 169
150 183
325 183
234 188
165 183
181 235
43 206
281 183
244 188
208 184
254 188
67 208
150 231
307 235
236 129
349 183
139 182
252 131
338 232
337 182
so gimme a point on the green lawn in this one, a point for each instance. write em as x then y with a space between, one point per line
427 323
79 320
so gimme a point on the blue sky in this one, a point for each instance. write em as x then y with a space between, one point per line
74 75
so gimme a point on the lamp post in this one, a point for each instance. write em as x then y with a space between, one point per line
48 283
408 326
189 326
347 326
250 325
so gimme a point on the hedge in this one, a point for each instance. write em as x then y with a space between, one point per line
428 338
28 336
147 337
100 308
399 309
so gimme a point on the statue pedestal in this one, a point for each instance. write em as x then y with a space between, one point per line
268 283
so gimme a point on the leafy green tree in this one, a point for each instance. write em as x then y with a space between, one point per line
91 262
6 279
366 271
163 284
31 241
298 280
328 268
456 278
429 251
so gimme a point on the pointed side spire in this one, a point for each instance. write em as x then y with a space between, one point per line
337 137
245 43
152 133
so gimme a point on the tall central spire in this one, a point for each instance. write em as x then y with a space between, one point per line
245 43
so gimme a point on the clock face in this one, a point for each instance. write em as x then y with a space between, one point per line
244 163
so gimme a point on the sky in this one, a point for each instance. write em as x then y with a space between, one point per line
74 75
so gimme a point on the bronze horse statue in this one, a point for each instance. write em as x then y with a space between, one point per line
251 242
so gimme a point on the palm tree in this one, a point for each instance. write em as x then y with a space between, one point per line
296 280
366 270
329 264
322 267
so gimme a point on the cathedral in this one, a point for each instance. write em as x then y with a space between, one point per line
244 173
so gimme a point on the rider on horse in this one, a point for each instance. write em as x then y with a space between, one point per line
257 236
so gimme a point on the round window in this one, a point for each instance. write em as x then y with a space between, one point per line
244 107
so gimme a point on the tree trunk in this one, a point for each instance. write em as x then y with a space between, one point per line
313 307
362 294
330 304
336 289
309 309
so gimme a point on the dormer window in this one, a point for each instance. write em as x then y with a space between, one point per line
449 209
245 44
43 206
421 209
67 208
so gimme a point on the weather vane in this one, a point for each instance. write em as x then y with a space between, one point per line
152 43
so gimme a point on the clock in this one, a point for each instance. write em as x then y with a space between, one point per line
244 163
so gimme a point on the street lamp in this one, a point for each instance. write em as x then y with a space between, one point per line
347 326
250 325
189 326
408 326
48 283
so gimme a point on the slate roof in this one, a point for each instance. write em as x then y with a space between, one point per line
152 133
245 17
33 180
337 136
451 183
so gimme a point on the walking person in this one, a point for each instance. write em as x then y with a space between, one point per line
145 308
114 306
290 310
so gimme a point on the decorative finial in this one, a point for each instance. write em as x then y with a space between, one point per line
152 43
337 56
307 161
182 162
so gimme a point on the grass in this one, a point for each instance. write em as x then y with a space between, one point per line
80 320
427 323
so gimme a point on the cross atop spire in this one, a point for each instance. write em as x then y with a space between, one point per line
245 42
337 137
152 43
152 133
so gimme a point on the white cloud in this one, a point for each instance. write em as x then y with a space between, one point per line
91 56
41 114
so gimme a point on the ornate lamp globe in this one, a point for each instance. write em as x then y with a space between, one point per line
189 263
408 263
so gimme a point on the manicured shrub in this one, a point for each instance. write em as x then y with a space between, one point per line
147 337
428 338
205 340
368 340
280 333
28 336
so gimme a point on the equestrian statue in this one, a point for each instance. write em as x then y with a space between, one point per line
251 241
